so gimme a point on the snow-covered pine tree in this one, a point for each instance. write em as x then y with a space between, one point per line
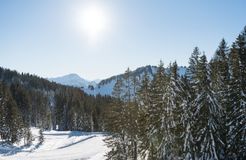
187 120
124 140
179 102
220 70
237 123
115 125
130 112
190 85
241 50
219 83
173 99
143 93
159 119
192 69
207 112
143 99
241 44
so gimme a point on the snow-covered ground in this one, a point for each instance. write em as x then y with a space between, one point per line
61 145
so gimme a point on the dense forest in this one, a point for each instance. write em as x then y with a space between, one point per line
201 115
27 100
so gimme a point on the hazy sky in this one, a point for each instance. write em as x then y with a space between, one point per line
49 38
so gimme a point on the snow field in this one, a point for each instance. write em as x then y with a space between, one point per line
62 145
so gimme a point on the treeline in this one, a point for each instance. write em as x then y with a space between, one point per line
201 115
27 100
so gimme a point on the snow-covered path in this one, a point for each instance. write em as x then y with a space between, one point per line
65 146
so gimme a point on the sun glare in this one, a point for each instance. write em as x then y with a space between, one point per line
93 21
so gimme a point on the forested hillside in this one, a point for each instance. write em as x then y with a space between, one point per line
27 100
105 86
201 115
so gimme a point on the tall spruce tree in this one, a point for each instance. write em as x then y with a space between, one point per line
191 87
207 112
143 99
130 111
219 83
187 120
159 117
175 103
192 69
241 49
237 122
116 125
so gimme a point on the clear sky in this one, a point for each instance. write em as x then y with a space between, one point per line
49 38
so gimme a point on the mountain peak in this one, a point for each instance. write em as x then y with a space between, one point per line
72 75
72 79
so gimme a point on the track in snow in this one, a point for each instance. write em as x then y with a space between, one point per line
65 146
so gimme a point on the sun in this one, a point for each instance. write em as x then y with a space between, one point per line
93 21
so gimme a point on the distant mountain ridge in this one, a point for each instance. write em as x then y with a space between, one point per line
105 87
73 80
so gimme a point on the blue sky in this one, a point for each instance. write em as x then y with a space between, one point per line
43 37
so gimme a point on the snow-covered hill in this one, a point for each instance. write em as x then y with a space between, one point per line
105 87
62 145
73 80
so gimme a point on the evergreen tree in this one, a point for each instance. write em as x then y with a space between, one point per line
219 84
190 85
237 122
159 130
174 100
207 111
241 50
241 118
143 99
115 124
131 111
187 120
124 141
192 69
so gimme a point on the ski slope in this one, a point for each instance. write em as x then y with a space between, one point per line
63 145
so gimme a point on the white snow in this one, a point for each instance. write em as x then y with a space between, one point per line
105 89
62 145
73 80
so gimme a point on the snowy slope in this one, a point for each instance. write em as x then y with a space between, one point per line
105 87
64 145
